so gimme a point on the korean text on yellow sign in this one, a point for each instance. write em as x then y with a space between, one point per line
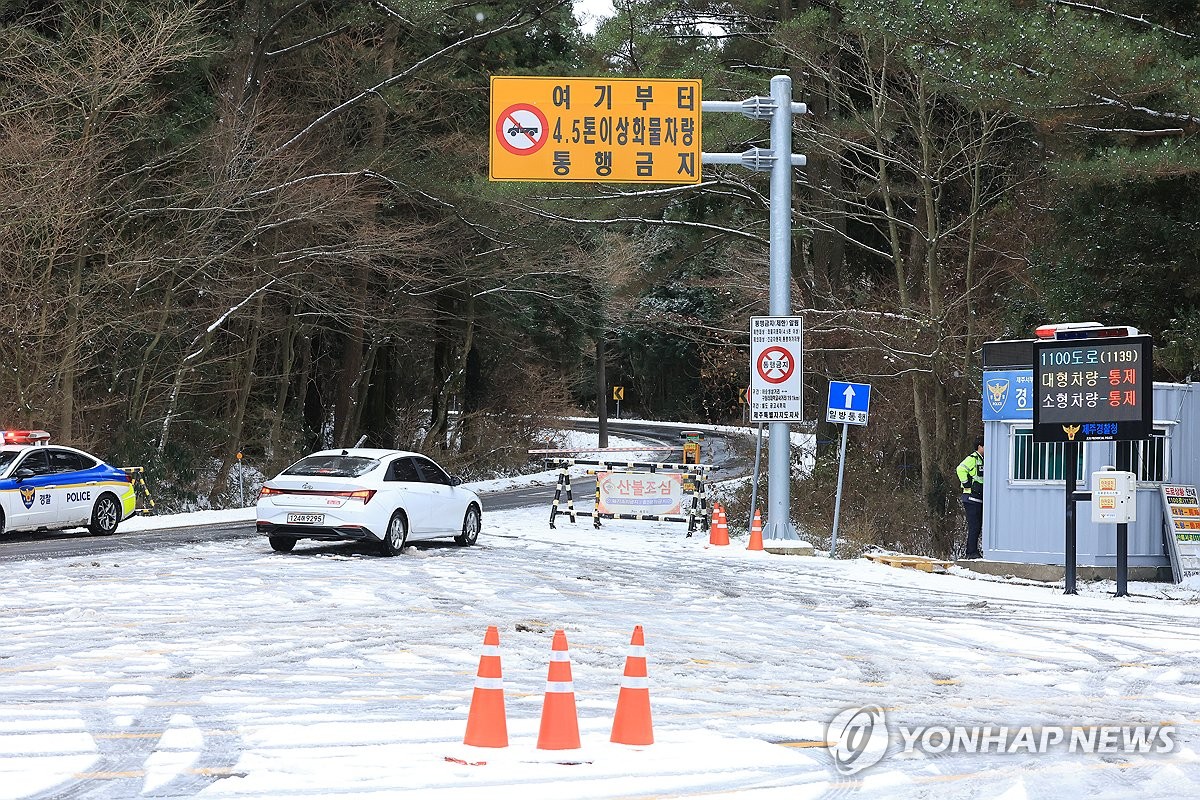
619 130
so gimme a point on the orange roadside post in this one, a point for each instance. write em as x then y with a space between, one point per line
486 722
560 721
631 722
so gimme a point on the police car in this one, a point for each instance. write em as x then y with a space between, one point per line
49 487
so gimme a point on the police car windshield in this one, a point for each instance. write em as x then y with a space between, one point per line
6 458
333 466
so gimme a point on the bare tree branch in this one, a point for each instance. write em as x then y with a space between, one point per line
515 22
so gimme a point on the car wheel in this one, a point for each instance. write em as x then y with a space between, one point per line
1 521
470 531
281 544
396 536
106 514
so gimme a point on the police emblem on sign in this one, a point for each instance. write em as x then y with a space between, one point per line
997 394
27 495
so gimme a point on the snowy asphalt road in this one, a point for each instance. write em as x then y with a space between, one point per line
220 669
79 543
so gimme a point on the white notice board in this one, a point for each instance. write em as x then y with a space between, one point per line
653 493
1181 513
776 369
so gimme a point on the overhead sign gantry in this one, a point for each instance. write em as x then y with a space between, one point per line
646 130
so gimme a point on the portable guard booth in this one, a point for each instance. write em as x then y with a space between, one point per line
1024 494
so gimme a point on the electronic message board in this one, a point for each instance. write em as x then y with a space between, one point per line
1093 390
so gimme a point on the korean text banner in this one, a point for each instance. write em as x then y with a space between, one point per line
640 492
615 130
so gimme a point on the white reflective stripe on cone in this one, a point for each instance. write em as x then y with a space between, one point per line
489 683
630 682
637 651
560 655
561 687
491 650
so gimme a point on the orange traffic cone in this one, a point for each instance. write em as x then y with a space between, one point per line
486 724
756 533
631 723
560 723
715 520
720 534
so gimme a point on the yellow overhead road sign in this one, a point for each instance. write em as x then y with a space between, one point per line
618 130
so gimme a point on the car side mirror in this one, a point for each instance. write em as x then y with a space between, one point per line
23 473
455 480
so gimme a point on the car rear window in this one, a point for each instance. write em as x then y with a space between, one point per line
336 466
66 461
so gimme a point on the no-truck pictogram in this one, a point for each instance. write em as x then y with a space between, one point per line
521 129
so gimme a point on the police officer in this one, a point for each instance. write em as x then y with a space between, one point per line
970 475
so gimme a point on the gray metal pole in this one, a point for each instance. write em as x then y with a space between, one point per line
601 393
754 481
1070 476
1124 453
779 464
837 503
780 161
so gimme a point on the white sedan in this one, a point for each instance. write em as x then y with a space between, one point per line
389 497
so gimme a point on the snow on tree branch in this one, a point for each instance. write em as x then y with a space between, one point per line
1128 18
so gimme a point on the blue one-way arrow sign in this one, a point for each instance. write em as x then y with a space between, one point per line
849 403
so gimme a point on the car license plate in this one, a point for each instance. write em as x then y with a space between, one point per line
305 519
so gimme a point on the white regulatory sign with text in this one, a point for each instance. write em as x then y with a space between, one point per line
1182 515
776 369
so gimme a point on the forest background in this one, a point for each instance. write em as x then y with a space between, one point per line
263 227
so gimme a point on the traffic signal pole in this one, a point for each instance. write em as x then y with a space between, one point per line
779 160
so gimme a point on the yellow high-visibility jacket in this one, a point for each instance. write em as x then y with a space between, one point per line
970 475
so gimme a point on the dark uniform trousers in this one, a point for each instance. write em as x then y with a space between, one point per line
974 511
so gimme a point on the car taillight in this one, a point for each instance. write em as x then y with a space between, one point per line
362 494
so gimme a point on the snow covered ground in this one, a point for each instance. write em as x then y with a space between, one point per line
225 670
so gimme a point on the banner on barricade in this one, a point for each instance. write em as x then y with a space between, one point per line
640 492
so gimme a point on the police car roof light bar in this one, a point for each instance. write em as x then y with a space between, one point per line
1084 330
1051 331
24 437
1114 332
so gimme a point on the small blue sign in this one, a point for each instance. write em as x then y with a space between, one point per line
1008 394
849 403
